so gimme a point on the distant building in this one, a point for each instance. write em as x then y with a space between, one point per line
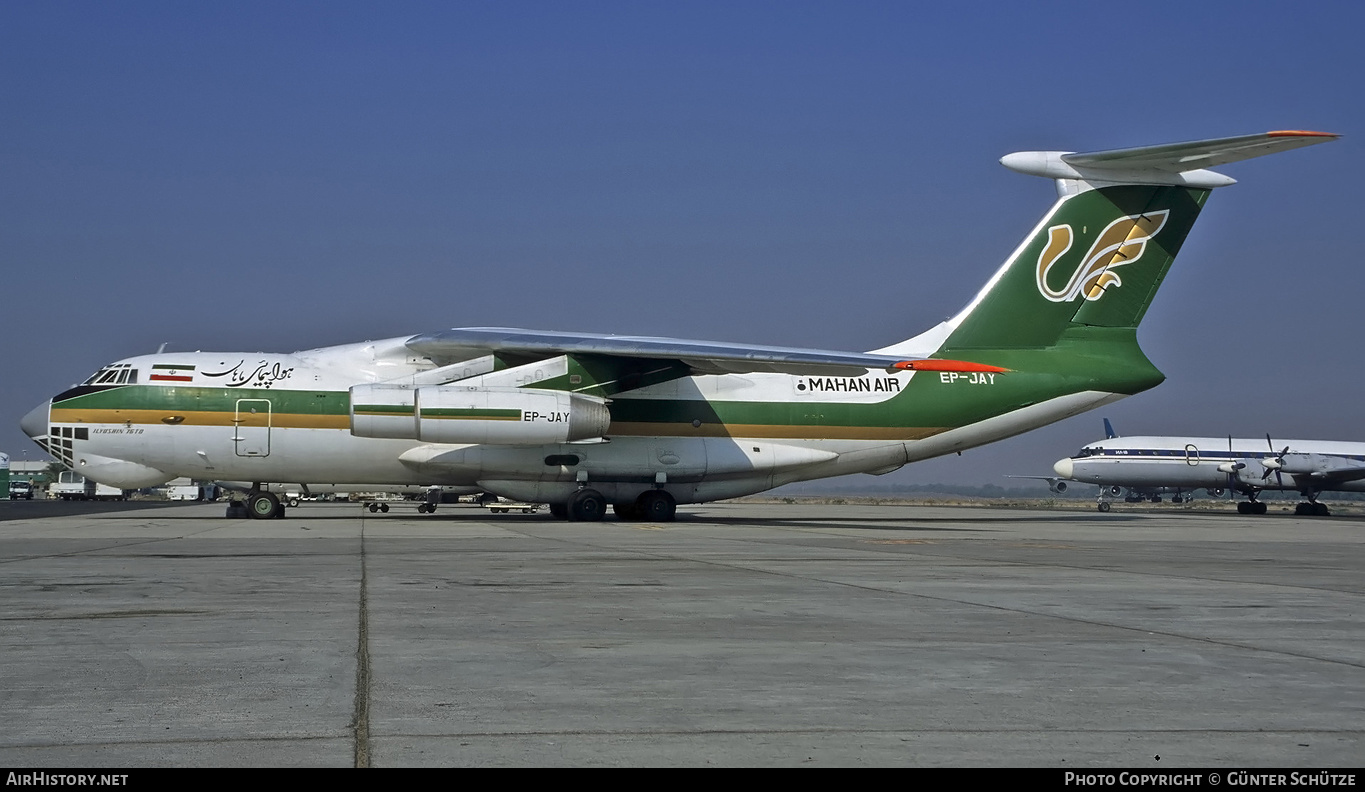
31 471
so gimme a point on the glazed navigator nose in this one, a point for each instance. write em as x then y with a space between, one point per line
35 423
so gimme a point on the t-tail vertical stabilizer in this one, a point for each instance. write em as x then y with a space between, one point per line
1084 277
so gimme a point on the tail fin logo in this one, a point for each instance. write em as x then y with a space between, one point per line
1121 242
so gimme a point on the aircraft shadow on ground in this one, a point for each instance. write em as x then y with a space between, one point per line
973 524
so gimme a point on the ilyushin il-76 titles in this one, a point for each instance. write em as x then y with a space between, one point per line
642 424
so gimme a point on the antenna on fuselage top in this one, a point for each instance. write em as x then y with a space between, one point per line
162 348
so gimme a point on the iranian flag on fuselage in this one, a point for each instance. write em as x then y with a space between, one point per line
171 372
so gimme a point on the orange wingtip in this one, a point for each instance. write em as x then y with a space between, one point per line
946 365
1300 133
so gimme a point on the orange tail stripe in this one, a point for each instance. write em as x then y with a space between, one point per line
946 365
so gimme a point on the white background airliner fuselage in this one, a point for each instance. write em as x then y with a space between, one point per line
1245 465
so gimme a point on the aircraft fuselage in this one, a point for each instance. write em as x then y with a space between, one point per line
292 419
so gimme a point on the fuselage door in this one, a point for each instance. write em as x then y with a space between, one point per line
251 425
1191 454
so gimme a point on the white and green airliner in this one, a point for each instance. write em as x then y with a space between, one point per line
643 424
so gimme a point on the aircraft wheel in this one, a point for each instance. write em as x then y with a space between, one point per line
262 506
236 510
1303 508
1258 507
384 507
656 505
1320 510
279 512
374 508
626 511
560 511
293 502
1104 507
587 505
1243 507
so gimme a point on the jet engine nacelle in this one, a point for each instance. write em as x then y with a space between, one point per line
1057 486
470 415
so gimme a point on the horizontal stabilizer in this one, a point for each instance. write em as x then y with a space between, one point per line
1172 163
706 357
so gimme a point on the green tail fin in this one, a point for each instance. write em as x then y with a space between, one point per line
1096 260
1093 265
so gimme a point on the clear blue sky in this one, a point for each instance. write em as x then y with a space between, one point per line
279 176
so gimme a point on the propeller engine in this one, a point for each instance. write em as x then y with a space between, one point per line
1230 467
1275 462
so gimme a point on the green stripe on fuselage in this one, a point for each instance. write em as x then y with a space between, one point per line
398 410
1084 359
470 414
191 399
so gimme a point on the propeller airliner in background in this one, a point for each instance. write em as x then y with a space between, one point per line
1151 465
584 421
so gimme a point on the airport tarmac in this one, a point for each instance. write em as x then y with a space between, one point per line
744 634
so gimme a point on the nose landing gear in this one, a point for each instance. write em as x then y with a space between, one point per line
260 506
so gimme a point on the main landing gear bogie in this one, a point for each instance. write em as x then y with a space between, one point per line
1251 507
656 506
589 505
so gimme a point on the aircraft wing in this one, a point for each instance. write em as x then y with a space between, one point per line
1337 475
1317 470
1182 157
703 357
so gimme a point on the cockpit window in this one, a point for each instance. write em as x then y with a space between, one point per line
117 374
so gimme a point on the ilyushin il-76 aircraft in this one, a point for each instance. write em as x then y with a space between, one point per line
643 424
